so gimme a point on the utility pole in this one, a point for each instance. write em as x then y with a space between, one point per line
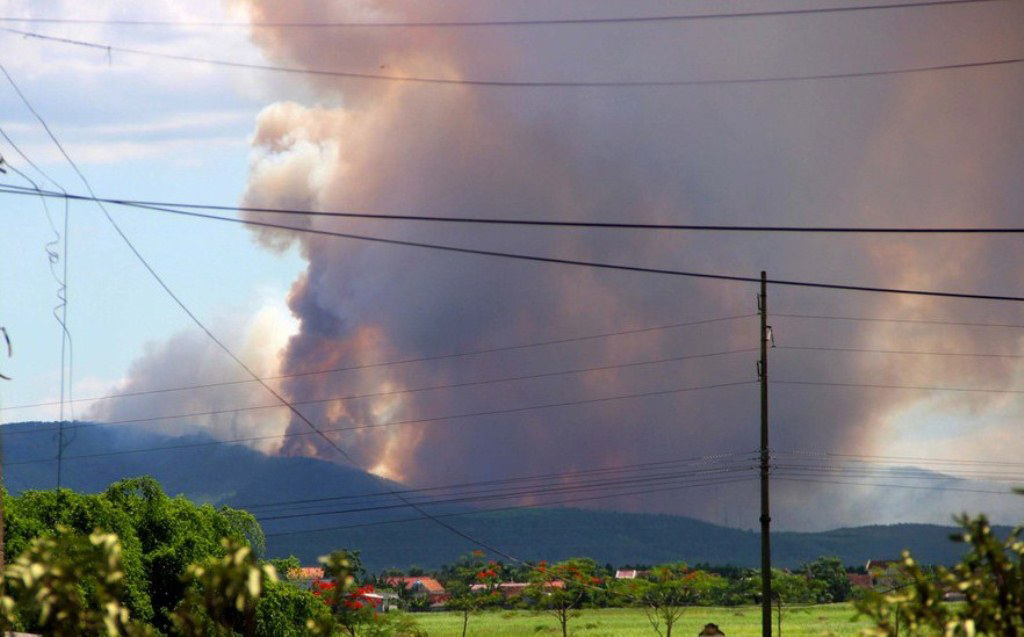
766 520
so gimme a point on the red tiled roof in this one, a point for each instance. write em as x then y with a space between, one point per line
306 572
430 584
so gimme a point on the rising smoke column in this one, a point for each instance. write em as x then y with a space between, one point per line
929 149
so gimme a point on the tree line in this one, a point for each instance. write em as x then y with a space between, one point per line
133 561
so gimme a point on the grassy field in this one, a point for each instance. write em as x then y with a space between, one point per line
744 621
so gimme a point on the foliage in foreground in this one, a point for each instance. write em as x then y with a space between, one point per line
990 577
70 585
159 536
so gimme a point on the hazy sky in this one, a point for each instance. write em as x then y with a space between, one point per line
919 149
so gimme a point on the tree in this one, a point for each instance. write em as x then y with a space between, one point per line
836 586
666 592
744 587
473 585
283 610
69 586
990 575
160 536
222 593
560 590
352 613
793 588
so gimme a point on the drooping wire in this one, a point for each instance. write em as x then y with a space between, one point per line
419 359
322 433
641 491
413 390
450 24
60 311
883 319
532 84
162 206
582 263
634 468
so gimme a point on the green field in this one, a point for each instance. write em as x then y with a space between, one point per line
744 621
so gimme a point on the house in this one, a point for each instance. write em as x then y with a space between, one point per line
421 587
304 576
859 580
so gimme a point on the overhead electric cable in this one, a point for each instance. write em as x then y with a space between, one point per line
983 390
543 477
891 471
376 394
909 352
354 75
162 206
608 488
877 319
918 459
895 486
60 311
322 432
142 260
420 359
592 264
597 264
521 506
533 492
447 24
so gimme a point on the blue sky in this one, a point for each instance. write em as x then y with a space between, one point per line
148 131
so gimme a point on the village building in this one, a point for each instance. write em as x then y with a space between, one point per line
421 588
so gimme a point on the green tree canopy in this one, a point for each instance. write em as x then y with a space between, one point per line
160 536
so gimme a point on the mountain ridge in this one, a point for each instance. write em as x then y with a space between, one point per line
201 469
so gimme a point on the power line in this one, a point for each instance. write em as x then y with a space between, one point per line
907 387
592 264
574 500
54 256
353 75
492 23
908 473
919 459
66 343
536 491
489 350
866 350
379 394
877 319
322 433
601 265
896 486
545 477
508 221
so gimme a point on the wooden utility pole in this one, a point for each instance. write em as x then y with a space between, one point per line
766 520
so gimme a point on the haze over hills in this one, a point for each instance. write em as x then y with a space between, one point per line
291 494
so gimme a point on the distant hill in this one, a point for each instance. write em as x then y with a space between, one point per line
273 486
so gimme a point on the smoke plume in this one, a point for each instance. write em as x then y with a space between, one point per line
924 149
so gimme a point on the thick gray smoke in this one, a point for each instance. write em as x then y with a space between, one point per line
938 148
